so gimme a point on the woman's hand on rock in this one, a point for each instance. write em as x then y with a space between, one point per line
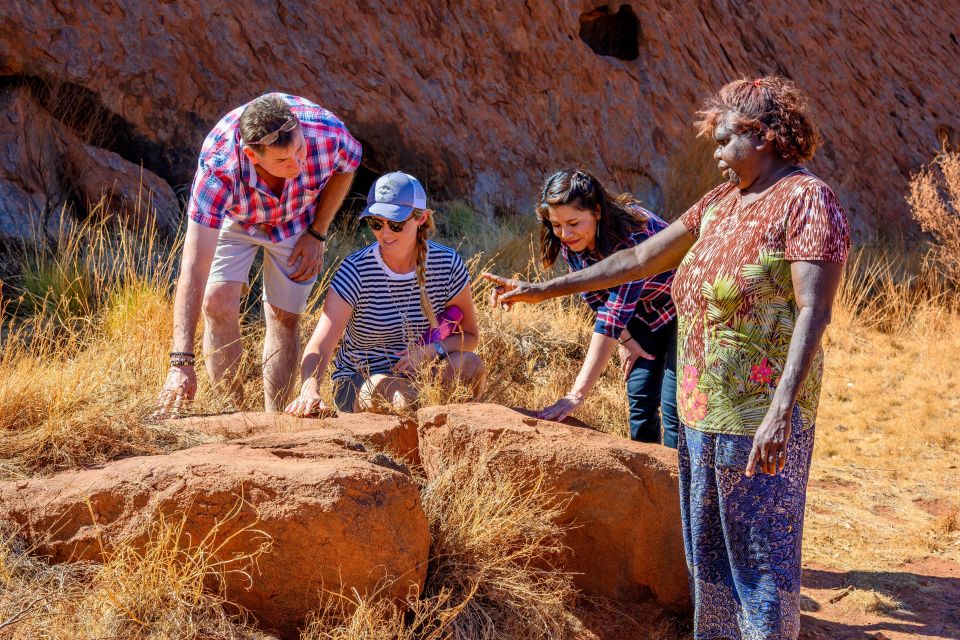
507 291
769 452
308 403
562 408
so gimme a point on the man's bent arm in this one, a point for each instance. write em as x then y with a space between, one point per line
661 252
199 247
330 200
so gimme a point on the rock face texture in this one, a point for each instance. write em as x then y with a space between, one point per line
483 99
44 165
626 543
381 433
339 517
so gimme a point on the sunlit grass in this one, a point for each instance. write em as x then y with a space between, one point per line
87 329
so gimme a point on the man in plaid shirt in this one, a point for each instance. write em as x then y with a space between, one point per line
271 176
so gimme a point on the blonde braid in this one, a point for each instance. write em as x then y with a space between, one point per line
424 231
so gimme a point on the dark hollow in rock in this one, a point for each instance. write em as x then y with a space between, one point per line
612 34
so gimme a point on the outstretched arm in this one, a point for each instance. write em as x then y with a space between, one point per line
598 355
661 252
318 353
199 245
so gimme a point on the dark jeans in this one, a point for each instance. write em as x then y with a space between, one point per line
652 386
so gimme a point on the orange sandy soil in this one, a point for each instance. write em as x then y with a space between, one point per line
882 532
927 594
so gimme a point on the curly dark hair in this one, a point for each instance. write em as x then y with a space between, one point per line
620 216
772 107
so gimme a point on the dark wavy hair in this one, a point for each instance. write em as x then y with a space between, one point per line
620 216
772 107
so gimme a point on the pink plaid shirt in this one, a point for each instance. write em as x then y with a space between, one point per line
227 184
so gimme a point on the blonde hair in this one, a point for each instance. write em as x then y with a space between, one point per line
424 232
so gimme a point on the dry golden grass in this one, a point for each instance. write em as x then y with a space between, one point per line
84 354
167 587
493 537
885 481
935 202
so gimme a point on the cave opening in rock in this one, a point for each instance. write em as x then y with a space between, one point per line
612 34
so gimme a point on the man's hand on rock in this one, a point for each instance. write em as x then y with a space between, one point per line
309 251
178 390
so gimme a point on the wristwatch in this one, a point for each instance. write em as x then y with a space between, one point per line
440 349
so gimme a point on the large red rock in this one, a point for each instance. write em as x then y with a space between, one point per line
385 433
626 542
482 99
45 166
339 517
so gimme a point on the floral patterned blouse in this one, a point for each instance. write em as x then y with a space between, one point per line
735 301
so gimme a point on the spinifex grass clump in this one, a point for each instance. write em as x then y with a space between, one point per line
494 537
84 350
83 344
158 584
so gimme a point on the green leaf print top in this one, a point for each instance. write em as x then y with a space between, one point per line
735 301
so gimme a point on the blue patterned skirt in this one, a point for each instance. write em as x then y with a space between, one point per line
742 535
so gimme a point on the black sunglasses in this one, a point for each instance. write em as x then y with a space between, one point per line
377 225
271 137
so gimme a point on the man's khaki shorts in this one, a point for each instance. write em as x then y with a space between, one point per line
236 250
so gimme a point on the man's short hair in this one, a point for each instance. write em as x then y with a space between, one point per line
263 116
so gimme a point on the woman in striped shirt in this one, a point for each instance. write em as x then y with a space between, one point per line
400 304
583 223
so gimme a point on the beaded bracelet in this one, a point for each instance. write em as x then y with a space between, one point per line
182 362
186 354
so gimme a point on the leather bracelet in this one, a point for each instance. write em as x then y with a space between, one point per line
322 237
629 338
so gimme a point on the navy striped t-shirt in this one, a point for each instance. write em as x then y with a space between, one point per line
387 317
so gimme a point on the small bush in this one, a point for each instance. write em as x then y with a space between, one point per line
935 203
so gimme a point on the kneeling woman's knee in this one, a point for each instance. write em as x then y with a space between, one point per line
468 366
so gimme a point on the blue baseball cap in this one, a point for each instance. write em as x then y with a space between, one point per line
394 196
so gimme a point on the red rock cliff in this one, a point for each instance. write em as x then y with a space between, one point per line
482 99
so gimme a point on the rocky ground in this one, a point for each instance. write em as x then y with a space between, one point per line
335 500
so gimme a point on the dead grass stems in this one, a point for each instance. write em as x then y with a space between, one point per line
491 574
157 584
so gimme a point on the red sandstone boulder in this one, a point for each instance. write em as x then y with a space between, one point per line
385 433
339 517
127 190
626 543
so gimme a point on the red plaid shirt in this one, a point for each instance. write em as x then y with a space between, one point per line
649 300
227 184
